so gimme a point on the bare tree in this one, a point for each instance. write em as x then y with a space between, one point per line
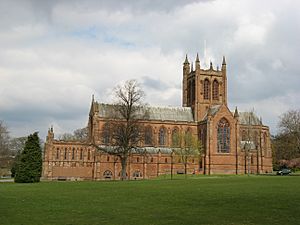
78 135
286 144
124 128
186 146
290 125
4 140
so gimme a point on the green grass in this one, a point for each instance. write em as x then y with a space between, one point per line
199 200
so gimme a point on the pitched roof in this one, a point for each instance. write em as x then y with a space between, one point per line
153 113
249 118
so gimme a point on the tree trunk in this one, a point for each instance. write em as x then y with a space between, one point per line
124 167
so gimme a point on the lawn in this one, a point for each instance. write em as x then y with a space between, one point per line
202 200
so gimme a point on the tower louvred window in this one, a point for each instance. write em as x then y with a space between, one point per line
215 90
206 89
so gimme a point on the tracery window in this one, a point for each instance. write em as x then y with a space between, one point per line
162 136
206 89
175 138
223 136
106 133
148 136
215 90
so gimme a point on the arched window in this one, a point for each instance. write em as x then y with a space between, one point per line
57 153
107 174
223 136
162 136
106 133
66 152
73 153
89 154
215 90
206 89
188 138
175 138
81 154
148 135
244 135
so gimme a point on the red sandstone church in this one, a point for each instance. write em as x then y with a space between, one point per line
233 142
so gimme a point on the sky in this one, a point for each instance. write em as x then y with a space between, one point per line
54 55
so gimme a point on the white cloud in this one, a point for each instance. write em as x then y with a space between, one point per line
55 55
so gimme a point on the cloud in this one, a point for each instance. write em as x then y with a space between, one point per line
56 54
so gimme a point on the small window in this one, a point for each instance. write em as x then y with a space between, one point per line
107 174
107 158
137 174
166 160
89 154
151 160
137 159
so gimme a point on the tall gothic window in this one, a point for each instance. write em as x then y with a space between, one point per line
244 135
175 138
162 136
223 136
206 89
148 136
65 156
57 153
106 133
81 154
73 153
215 90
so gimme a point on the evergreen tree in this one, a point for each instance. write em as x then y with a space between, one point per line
29 168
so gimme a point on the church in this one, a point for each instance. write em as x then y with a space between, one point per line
233 142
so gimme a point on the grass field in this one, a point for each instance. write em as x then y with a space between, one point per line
202 200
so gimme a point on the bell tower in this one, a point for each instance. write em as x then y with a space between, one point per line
203 88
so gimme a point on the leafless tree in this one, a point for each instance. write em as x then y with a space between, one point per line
186 146
78 135
4 140
124 128
290 125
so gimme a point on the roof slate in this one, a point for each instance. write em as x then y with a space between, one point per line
153 113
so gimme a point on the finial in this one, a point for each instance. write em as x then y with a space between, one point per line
224 61
236 113
192 67
260 120
197 58
211 66
92 97
51 129
217 67
186 60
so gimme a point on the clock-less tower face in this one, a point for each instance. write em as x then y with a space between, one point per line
203 88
